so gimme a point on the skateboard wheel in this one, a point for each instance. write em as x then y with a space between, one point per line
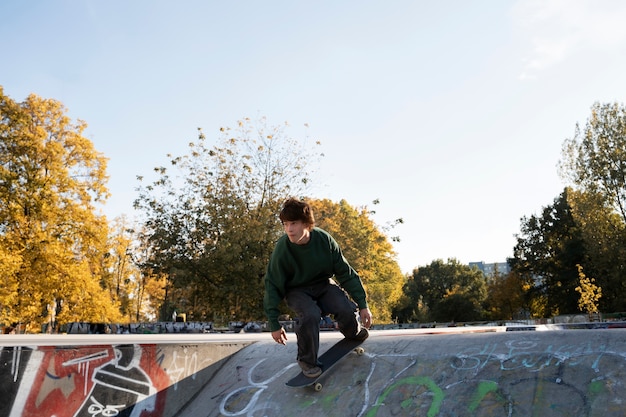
317 387
359 351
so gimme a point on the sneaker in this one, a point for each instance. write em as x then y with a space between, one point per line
310 371
362 335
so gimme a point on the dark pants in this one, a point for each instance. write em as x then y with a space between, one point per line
310 304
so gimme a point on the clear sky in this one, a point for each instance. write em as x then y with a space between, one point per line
451 113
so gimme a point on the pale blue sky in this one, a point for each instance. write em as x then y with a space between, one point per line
452 113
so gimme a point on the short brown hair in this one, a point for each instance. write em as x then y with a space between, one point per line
294 210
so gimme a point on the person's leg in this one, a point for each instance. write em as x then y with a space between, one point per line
307 326
336 302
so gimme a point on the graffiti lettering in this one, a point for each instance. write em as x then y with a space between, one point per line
253 390
416 388
522 354
97 409
182 366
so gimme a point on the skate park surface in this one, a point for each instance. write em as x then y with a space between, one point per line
466 371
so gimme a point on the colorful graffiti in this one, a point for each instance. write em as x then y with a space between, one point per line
508 378
88 382
127 380
563 373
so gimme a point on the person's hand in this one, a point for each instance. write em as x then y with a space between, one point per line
366 317
280 336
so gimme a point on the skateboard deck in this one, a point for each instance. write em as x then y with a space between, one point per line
328 360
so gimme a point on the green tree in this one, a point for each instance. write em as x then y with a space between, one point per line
410 308
547 251
444 291
51 238
594 162
368 250
211 226
595 159
604 236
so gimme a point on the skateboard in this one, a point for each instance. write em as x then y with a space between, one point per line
328 360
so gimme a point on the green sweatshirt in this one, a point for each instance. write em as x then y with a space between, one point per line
293 266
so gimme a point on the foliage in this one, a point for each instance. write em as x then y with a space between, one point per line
595 159
547 251
367 249
604 236
148 285
506 299
594 162
590 293
211 227
9 268
444 292
51 239
138 291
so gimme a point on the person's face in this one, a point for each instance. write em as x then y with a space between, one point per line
296 231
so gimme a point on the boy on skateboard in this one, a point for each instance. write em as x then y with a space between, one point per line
309 271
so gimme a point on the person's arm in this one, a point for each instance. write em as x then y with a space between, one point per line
274 289
347 277
271 300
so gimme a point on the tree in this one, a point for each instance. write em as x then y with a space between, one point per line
604 235
506 297
121 274
211 226
367 249
149 285
444 292
594 163
590 293
51 239
547 251
595 160
9 296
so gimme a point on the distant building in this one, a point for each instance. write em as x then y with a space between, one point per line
489 270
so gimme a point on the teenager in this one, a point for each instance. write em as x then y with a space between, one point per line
309 271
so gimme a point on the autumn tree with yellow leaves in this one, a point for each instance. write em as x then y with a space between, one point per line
590 293
52 242
368 250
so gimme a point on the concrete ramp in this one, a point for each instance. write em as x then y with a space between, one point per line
404 373
445 372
